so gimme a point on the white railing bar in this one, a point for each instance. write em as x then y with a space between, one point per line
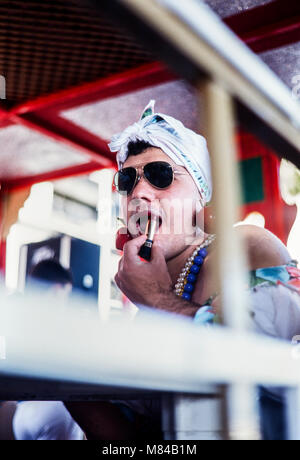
160 352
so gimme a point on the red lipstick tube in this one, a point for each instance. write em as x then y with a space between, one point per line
146 249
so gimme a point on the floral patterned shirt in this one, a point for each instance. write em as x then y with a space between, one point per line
287 275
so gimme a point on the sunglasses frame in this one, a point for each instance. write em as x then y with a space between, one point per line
140 173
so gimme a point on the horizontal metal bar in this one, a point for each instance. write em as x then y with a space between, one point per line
19 182
99 153
14 388
120 83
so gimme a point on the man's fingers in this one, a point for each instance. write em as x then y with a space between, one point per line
131 249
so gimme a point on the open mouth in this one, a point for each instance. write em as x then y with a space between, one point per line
143 221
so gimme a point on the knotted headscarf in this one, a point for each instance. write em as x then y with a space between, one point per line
182 145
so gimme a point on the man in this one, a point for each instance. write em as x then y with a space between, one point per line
164 173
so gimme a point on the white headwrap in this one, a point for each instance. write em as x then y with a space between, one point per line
182 145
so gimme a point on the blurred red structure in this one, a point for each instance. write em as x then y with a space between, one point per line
261 186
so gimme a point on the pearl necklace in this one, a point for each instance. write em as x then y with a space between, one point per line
188 275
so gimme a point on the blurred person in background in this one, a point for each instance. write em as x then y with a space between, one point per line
46 420
53 278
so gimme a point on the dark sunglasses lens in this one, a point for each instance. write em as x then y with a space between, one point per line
159 174
125 179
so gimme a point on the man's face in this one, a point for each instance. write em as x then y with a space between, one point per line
176 205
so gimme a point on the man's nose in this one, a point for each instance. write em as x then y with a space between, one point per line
143 190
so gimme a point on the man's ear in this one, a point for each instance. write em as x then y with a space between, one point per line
205 219
209 219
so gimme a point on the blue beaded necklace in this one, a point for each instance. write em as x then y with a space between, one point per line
186 281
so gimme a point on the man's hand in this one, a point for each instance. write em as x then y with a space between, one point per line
144 283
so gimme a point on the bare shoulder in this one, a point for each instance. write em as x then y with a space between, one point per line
264 249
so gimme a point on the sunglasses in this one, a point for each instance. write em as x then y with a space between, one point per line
159 174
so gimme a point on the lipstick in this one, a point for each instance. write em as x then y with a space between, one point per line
146 249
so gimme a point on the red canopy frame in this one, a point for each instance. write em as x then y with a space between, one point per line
44 116
269 26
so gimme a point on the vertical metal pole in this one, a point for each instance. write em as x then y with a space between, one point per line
230 260
231 263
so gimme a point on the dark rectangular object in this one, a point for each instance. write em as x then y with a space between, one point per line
84 265
252 180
